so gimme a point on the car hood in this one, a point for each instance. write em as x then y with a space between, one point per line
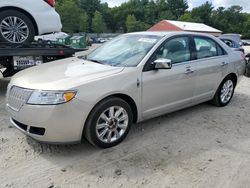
63 74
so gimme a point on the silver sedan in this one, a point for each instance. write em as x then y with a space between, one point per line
132 78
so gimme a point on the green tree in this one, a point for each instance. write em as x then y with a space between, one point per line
142 26
230 20
166 15
83 22
138 15
108 16
150 13
90 7
74 19
246 29
98 23
219 19
161 6
187 17
203 12
131 23
177 7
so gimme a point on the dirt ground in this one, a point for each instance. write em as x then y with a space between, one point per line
203 146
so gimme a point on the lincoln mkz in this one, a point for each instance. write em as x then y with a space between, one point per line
134 77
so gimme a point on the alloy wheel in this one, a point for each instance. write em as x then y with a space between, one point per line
227 91
112 124
14 29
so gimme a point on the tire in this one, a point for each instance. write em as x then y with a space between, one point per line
18 23
218 97
93 135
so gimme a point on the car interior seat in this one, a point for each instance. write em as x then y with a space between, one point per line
177 52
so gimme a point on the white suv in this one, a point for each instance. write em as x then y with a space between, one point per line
21 20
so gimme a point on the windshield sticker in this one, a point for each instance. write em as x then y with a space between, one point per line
148 40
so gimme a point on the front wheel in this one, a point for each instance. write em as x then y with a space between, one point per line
109 122
225 92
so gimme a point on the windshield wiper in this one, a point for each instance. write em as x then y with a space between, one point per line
95 61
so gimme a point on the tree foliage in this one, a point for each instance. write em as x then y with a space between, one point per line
73 17
136 15
177 7
90 6
98 24
133 25
203 13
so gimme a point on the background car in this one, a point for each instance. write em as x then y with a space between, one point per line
246 42
51 37
21 20
233 41
102 40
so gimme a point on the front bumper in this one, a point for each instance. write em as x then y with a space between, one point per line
52 124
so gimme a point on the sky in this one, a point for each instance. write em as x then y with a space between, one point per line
194 3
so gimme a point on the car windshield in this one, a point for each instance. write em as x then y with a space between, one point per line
124 51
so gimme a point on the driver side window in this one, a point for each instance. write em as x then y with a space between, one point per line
177 50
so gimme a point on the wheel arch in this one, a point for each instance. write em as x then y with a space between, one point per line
234 76
216 98
24 12
124 97
131 103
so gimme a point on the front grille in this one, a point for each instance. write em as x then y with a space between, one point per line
17 97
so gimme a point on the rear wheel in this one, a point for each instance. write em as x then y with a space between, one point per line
109 123
225 92
16 27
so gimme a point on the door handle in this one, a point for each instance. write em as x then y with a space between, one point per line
224 64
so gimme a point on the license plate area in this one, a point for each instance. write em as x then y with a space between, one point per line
23 62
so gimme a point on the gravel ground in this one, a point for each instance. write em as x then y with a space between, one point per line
203 146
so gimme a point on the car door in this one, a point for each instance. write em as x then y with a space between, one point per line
209 68
168 89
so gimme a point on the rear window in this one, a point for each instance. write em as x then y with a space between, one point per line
207 47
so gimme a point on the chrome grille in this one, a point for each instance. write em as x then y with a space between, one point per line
17 97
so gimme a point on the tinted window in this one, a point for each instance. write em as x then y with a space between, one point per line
176 49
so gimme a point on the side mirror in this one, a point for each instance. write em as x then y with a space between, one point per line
163 63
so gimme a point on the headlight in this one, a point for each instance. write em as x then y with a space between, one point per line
51 97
